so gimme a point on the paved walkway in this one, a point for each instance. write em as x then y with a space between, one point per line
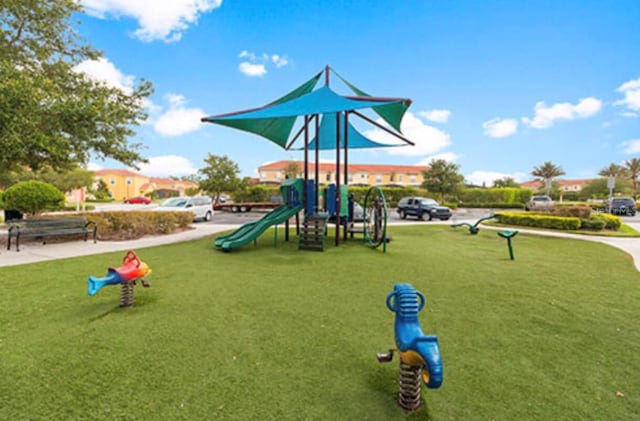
36 252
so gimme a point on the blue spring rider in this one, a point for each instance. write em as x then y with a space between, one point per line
419 353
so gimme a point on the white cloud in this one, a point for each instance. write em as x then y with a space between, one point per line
631 91
158 20
92 166
251 69
488 177
630 115
631 146
447 156
500 127
279 61
256 64
437 116
102 70
178 119
168 165
428 140
546 116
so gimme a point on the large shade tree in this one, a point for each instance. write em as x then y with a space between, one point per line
442 177
220 175
52 116
546 173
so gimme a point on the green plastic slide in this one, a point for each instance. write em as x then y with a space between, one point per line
249 232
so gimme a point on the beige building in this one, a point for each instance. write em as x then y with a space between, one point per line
564 185
359 174
122 184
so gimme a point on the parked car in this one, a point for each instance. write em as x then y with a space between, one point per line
537 203
421 206
358 213
137 200
200 206
620 206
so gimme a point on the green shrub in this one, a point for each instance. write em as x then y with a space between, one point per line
595 223
33 197
612 222
539 220
132 225
506 195
257 193
582 212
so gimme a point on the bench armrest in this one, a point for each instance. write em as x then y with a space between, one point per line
90 223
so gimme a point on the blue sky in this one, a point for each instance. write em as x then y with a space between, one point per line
497 86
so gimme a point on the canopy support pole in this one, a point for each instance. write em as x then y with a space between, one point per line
346 168
338 201
317 168
306 163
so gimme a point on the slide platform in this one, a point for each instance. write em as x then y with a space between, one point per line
249 232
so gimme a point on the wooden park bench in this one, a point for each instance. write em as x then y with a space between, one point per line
50 227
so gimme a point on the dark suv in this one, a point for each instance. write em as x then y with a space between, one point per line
620 206
421 206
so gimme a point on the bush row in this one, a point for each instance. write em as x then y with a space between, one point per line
596 222
539 220
130 225
504 195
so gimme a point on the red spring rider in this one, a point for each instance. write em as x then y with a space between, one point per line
131 270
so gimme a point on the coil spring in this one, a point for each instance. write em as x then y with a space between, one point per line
126 294
409 397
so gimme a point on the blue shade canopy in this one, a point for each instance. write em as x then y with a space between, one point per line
355 139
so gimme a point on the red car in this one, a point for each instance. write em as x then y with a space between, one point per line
138 200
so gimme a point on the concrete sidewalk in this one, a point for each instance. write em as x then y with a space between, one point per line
37 252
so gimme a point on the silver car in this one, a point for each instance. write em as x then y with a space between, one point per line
538 203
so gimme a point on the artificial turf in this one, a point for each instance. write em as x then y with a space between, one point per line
270 333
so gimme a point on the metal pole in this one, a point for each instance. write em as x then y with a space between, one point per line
338 204
317 175
306 163
346 165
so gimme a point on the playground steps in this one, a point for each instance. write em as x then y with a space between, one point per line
312 232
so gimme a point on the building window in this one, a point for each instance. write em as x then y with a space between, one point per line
400 178
328 177
363 176
412 179
278 176
378 178
112 181
350 178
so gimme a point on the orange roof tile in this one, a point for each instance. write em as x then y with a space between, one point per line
368 168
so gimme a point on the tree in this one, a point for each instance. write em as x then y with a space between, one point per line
67 180
613 170
547 172
52 116
442 177
292 170
505 182
33 197
632 167
219 175
597 188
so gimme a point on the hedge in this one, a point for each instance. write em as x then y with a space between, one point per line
505 195
131 225
539 220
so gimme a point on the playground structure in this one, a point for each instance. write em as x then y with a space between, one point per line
132 269
419 353
473 229
327 114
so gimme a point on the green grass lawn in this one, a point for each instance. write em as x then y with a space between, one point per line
270 333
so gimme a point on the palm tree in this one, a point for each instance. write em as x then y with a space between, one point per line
547 172
632 166
613 170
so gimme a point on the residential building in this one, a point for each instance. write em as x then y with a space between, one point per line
358 174
122 184
564 185
168 187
